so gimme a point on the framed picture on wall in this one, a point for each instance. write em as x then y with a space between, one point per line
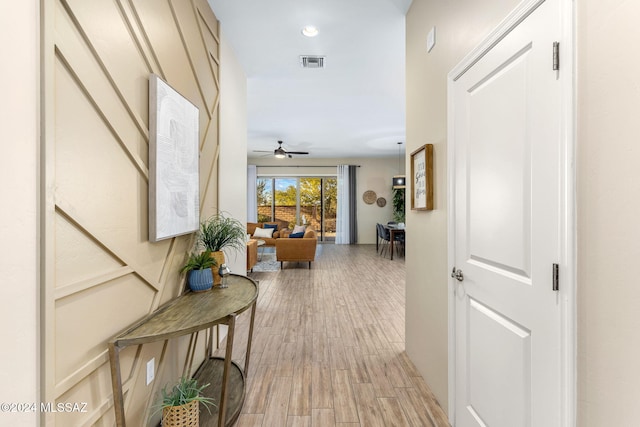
422 178
174 151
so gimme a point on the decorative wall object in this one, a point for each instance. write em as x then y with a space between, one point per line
382 202
369 197
174 188
422 178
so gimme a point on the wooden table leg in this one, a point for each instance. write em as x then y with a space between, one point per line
222 415
116 381
391 238
248 355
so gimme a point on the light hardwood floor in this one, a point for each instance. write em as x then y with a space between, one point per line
328 346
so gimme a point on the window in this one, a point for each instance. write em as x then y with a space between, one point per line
300 200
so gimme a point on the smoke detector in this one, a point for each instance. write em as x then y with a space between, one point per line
312 61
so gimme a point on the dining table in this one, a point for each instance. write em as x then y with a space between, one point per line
394 230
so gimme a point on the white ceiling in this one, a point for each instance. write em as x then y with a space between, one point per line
354 107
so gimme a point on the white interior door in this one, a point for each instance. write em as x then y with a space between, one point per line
507 190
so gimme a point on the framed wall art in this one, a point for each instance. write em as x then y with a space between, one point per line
422 178
174 177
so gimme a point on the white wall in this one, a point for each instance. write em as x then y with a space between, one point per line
232 186
19 252
376 175
373 174
608 212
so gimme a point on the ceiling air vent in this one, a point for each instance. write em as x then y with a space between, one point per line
312 61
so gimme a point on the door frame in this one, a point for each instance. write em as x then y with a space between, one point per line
568 219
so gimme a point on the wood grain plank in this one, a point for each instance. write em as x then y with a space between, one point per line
278 403
286 359
258 390
392 412
300 402
297 421
379 376
337 354
250 420
414 408
369 409
359 371
439 417
344 403
323 418
392 365
321 389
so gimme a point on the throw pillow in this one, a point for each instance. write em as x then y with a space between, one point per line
296 235
298 229
264 232
274 226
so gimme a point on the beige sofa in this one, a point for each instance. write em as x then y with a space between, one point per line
281 231
297 249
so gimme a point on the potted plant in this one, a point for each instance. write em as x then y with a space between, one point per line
219 232
180 404
199 268
398 205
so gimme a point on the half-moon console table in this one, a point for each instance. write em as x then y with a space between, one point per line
188 314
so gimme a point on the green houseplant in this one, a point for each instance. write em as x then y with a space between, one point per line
219 232
180 404
398 205
199 268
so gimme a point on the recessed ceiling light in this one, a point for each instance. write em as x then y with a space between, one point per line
310 31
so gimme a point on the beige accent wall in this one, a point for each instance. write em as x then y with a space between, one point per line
460 26
101 272
373 174
19 356
608 211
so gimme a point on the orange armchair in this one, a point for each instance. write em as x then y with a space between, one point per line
297 249
252 254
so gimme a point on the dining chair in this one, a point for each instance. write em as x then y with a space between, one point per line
385 238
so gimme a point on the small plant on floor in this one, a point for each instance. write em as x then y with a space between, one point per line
182 401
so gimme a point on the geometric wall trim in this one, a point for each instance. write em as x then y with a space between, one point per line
100 272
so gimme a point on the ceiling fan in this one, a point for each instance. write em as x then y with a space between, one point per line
281 153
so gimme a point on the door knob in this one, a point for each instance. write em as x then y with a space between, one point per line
457 274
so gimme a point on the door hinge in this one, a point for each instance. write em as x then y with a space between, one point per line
556 277
556 56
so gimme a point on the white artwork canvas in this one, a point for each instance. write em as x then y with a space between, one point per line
174 186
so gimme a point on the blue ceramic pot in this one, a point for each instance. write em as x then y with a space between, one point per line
200 280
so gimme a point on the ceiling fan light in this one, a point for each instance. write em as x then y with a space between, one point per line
310 31
279 153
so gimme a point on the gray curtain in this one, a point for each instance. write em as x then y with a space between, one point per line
347 215
353 206
252 196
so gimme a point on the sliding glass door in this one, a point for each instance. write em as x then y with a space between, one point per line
300 200
264 190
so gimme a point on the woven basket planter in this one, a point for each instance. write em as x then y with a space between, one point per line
219 257
187 415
